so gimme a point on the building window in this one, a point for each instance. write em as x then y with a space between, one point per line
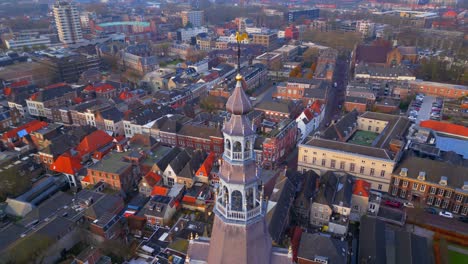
323 162
403 194
304 158
380 187
332 163
438 201
459 197
405 184
342 165
394 191
445 204
361 170
448 194
441 192
352 167
422 188
382 173
415 185
430 200
464 210
372 172
433 190
314 160
396 181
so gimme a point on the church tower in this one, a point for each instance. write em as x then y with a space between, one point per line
239 231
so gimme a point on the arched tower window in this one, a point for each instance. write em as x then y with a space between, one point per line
228 144
236 201
237 146
249 197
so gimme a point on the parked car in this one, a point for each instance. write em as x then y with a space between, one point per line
446 214
393 203
253 98
430 210
464 219
408 204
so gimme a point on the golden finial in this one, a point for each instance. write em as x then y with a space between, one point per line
238 77
191 236
290 251
241 36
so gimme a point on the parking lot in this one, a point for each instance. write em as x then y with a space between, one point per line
425 108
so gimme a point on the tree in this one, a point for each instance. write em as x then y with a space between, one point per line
296 72
208 103
116 249
310 56
12 183
29 249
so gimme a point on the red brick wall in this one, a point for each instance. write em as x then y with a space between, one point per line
349 106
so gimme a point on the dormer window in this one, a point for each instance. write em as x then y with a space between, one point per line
443 181
422 176
465 186
404 172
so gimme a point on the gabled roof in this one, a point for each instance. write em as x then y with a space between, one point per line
29 128
205 168
93 142
124 95
152 178
66 164
444 127
361 188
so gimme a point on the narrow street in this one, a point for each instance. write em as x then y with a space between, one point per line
336 95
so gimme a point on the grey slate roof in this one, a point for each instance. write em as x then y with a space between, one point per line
336 188
393 246
350 148
434 169
337 130
317 245
279 218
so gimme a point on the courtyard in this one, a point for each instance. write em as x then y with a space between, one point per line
364 138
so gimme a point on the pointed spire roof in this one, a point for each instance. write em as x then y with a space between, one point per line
238 103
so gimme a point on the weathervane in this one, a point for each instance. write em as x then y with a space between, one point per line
239 38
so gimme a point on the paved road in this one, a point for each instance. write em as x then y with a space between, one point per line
450 224
336 95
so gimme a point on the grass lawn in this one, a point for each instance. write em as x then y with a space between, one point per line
456 258
364 138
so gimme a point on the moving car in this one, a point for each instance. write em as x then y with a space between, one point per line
446 214
408 204
393 203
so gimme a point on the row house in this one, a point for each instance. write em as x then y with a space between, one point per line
295 88
182 168
40 103
13 137
172 133
433 183
101 90
9 118
134 120
310 119
278 143
103 215
275 111
116 173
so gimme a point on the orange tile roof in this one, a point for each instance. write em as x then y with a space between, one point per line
56 85
87 178
205 168
189 199
67 164
445 127
316 105
125 95
152 178
29 127
19 83
361 188
159 190
93 142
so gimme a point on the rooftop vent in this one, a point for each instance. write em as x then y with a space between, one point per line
422 176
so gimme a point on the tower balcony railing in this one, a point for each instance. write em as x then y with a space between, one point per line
239 215
240 155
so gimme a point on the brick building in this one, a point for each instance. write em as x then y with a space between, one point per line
437 89
118 174
431 183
